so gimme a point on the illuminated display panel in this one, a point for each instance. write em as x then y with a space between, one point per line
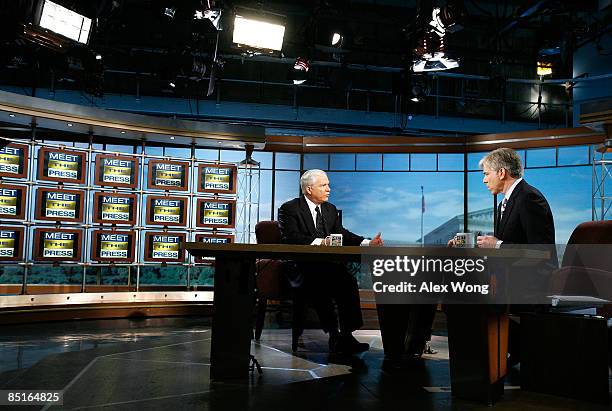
116 171
11 243
54 204
165 246
14 160
217 179
213 239
170 211
216 213
57 244
62 166
168 175
116 246
115 208
13 201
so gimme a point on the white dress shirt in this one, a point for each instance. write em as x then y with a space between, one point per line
313 212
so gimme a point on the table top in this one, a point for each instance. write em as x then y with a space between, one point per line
349 253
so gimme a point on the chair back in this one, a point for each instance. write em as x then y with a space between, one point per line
268 232
590 232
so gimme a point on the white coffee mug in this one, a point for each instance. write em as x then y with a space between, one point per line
465 240
335 239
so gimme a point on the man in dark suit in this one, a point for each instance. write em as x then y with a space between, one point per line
310 219
523 217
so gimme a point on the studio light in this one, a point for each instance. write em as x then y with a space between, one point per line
544 69
210 13
337 39
170 12
68 23
436 61
300 69
258 33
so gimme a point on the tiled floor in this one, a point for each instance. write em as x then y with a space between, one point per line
163 364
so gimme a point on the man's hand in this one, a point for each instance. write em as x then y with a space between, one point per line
451 243
486 241
326 241
377 241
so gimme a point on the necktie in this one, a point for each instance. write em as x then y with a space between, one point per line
503 207
320 228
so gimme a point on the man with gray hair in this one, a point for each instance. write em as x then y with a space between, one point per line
311 219
523 217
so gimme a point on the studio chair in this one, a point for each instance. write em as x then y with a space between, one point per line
566 352
272 284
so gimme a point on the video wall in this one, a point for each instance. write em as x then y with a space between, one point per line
85 206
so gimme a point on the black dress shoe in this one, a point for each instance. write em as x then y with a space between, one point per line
347 344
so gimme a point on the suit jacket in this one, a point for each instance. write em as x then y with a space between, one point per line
297 226
527 218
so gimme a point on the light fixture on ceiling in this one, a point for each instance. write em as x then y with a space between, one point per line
98 56
170 12
210 12
337 39
11 115
437 61
66 22
171 137
300 69
262 33
69 124
544 68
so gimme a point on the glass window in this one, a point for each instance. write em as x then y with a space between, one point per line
480 205
233 156
422 162
540 157
568 191
342 162
369 162
180 152
286 187
396 162
474 158
207 154
573 155
450 162
287 161
367 199
264 158
154 151
265 195
319 161
119 148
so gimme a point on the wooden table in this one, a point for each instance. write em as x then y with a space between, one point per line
477 335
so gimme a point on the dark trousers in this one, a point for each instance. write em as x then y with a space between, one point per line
328 283
404 328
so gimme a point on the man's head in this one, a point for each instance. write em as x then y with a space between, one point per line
501 168
315 186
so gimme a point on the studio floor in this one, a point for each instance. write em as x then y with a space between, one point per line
163 364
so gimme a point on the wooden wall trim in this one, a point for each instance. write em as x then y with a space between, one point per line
407 144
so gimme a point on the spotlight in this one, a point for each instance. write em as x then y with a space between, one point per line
170 12
337 39
419 92
66 22
300 68
544 68
264 34
98 56
11 115
172 84
434 62
210 13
